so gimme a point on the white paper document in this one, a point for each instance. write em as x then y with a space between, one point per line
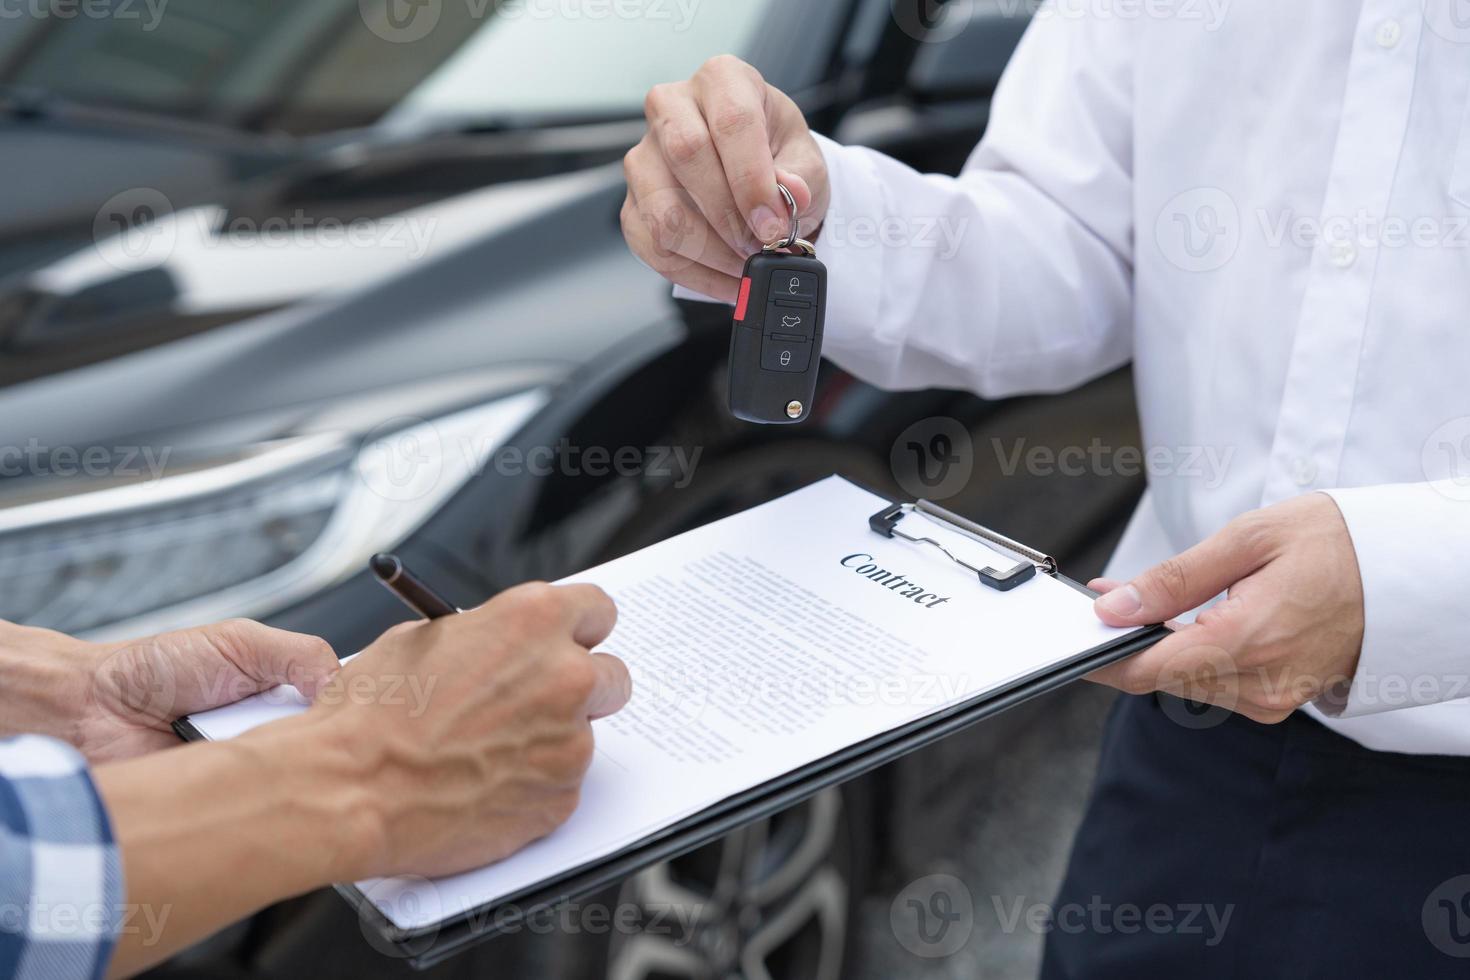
759 644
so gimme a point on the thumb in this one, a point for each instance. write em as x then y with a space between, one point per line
800 190
801 167
808 213
267 656
1177 585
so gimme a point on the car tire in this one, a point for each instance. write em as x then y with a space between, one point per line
775 900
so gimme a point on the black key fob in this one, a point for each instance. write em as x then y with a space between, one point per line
776 341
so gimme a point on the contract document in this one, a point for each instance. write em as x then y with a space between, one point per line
760 645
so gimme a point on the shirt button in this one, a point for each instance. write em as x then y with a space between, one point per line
1389 33
1343 254
1303 471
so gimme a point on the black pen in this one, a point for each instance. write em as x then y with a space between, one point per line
397 579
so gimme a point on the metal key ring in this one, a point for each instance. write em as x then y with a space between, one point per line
795 237
801 243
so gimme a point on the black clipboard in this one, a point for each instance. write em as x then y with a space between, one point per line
424 947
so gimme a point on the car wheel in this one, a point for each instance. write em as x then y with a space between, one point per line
775 900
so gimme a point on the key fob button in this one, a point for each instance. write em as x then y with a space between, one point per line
779 355
791 284
791 319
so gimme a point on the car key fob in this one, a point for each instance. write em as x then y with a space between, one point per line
776 339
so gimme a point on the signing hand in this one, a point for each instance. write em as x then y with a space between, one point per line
446 745
1289 631
702 190
472 733
117 700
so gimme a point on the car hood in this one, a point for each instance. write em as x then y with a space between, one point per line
517 285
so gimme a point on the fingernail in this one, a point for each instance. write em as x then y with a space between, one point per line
1121 602
768 227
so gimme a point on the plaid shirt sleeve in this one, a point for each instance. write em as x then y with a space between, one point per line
60 874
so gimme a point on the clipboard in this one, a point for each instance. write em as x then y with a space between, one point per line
427 946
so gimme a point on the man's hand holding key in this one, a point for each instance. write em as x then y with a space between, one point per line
702 184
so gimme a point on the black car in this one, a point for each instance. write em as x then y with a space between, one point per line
279 291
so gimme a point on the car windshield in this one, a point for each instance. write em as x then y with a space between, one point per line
543 64
312 65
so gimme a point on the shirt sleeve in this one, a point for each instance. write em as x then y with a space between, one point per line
1413 547
1015 276
60 874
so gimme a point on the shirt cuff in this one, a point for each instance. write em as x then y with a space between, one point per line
1413 547
61 886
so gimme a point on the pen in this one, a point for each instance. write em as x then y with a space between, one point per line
397 579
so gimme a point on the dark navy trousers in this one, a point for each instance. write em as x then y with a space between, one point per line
1217 847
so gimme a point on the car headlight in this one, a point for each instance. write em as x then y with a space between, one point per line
246 537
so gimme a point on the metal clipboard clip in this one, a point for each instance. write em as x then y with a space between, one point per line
1029 561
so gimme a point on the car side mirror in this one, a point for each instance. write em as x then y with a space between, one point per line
966 48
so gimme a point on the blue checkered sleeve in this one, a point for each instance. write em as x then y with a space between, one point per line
61 888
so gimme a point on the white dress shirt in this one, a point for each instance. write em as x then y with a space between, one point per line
1265 205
